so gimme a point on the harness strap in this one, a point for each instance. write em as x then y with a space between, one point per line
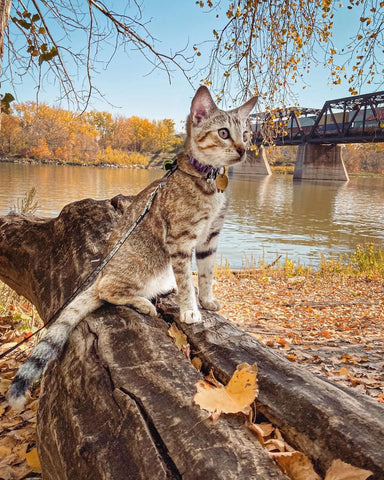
99 268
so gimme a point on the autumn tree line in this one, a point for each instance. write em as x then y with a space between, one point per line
44 133
50 134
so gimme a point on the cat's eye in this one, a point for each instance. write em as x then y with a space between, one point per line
223 133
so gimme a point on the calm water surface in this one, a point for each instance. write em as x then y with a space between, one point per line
268 216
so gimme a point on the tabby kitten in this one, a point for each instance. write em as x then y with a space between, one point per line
187 214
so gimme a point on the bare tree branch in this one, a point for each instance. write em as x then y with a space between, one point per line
45 46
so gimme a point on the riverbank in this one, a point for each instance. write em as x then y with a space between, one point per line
153 161
148 160
332 326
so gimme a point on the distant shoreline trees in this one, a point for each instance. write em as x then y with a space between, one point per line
45 133
49 134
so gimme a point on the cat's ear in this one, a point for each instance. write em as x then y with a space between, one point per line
202 105
245 109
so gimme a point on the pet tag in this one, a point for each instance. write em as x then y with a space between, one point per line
222 181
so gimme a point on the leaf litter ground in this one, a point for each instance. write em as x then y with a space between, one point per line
332 326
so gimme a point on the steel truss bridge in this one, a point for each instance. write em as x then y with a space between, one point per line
356 119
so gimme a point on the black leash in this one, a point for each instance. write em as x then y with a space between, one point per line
171 168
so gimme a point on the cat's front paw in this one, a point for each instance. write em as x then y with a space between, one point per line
210 304
190 316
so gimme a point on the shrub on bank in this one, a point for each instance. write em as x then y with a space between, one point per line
112 156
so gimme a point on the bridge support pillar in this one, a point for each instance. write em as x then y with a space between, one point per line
256 163
320 162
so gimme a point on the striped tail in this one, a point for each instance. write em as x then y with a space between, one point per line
51 345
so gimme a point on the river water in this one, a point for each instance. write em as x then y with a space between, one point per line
268 216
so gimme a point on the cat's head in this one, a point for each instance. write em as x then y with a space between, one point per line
216 137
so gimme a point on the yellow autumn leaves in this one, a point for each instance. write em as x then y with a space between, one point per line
33 460
298 467
18 454
268 46
236 396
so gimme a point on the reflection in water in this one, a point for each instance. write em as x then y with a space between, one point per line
267 216
58 185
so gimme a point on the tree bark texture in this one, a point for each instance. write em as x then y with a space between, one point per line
5 9
118 403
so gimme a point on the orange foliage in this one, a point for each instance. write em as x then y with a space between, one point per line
47 133
111 156
41 151
141 135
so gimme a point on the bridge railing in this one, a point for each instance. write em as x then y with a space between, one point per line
354 119
283 126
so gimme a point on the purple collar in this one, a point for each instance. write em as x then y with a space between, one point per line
211 172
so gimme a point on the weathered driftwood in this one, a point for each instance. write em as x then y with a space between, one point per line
118 404
46 259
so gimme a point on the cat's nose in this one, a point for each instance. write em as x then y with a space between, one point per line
240 151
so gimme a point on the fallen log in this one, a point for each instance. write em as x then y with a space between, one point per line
118 403
322 419
45 260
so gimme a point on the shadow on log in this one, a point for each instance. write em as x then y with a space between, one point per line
118 404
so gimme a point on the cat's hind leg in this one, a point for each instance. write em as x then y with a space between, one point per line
110 291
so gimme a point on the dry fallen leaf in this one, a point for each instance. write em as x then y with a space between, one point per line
4 451
264 432
4 385
210 378
275 445
27 433
267 429
21 450
258 431
235 397
7 473
180 340
11 459
33 405
197 363
340 470
347 309
186 350
33 461
296 465
178 336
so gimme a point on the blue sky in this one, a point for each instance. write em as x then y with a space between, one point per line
131 90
